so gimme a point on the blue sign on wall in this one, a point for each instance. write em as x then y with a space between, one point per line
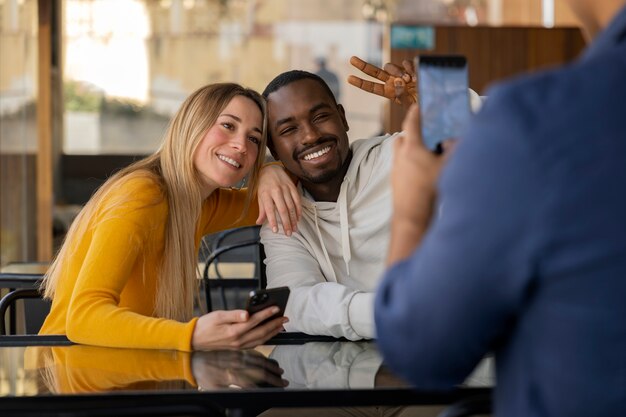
413 37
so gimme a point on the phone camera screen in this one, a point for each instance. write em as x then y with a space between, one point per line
443 96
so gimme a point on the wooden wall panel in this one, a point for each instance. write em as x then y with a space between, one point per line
496 53
17 211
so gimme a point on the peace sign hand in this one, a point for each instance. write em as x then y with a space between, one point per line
399 83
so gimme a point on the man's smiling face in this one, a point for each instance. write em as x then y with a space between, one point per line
308 131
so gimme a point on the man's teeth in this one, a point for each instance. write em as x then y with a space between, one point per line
228 160
317 154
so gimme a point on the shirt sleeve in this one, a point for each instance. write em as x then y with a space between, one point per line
450 302
94 315
224 209
315 305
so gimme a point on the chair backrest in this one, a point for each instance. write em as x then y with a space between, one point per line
35 310
234 249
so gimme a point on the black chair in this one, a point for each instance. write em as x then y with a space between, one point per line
35 313
234 245
18 276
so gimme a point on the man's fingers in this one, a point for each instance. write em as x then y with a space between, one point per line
409 68
369 86
369 69
393 69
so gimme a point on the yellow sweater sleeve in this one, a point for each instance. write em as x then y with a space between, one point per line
95 315
108 288
224 208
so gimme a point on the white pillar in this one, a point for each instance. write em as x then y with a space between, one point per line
547 12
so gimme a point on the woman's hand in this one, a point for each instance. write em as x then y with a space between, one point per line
236 369
399 83
278 193
235 329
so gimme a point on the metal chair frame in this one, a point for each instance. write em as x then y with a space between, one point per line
9 301
218 249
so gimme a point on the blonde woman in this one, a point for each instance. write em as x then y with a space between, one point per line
126 274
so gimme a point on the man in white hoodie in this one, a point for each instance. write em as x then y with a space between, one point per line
335 259
333 262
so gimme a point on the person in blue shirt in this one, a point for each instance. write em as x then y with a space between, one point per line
520 249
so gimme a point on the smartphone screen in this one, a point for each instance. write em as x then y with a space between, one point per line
442 84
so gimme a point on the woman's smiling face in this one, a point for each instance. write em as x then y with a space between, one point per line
229 149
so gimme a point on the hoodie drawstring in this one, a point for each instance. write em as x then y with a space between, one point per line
343 223
319 236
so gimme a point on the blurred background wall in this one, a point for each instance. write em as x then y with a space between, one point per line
87 86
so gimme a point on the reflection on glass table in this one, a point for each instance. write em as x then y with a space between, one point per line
81 369
351 365
335 373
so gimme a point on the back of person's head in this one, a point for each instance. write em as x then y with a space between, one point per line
289 77
172 168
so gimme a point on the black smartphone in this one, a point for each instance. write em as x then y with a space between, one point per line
262 299
442 90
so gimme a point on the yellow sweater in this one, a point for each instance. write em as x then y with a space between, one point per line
102 297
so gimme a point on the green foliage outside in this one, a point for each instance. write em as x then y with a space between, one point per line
122 107
79 97
84 98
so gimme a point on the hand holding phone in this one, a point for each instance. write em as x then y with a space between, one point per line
442 84
261 299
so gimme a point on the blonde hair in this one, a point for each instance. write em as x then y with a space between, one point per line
172 168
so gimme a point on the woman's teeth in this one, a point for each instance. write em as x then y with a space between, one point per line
229 161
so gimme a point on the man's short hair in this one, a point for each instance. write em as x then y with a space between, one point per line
289 77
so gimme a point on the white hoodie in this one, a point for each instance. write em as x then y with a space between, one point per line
334 262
